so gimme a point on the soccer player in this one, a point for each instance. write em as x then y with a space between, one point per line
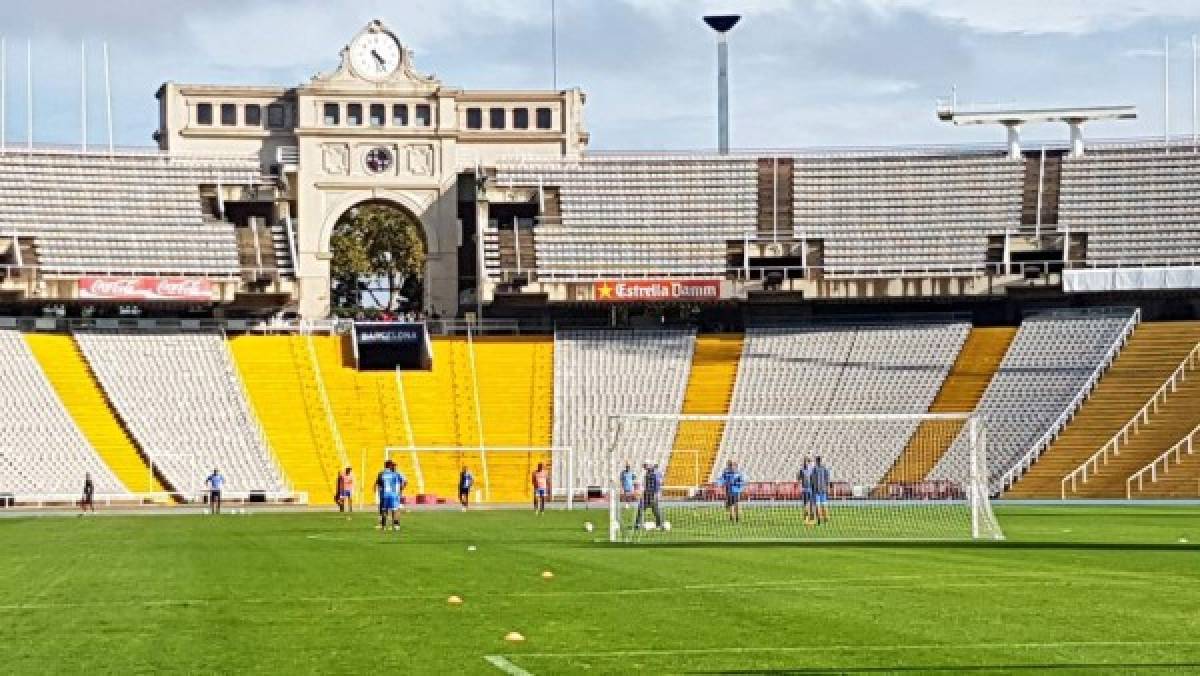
215 483
806 492
820 489
465 481
88 501
540 482
651 491
389 485
733 481
627 485
345 491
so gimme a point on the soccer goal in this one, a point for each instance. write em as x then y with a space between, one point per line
503 474
755 477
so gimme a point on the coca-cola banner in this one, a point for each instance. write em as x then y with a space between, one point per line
648 290
145 288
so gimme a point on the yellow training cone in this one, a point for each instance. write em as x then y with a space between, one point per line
513 636
454 600
547 574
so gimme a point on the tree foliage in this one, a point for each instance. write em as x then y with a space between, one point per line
379 249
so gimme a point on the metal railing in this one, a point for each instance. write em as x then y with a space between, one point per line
1185 445
456 327
1043 269
1112 447
1035 450
68 272
339 444
120 152
852 152
252 420
287 155
300 326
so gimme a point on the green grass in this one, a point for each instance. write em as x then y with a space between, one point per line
1074 589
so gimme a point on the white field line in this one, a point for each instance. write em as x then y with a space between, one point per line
864 648
504 665
901 582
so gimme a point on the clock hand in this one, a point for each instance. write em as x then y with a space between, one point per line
377 56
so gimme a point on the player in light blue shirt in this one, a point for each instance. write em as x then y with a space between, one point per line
734 482
627 484
215 483
389 485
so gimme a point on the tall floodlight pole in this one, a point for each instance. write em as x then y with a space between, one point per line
722 24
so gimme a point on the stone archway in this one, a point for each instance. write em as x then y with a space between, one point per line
378 253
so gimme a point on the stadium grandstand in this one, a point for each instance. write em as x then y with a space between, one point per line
170 310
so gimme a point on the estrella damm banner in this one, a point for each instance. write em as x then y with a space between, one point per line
656 290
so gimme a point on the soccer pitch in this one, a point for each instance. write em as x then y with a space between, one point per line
1072 589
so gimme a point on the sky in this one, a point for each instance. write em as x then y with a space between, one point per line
802 72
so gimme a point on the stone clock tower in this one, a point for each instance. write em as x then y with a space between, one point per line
375 130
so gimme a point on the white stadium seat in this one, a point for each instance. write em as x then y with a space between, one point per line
835 369
181 397
121 214
42 451
599 373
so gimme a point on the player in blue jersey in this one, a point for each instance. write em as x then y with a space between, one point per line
215 483
820 486
734 482
628 485
465 481
389 485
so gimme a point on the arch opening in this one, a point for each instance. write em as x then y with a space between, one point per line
378 253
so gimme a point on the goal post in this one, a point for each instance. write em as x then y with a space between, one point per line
434 471
884 477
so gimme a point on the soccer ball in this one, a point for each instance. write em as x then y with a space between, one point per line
666 525
587 525
650 525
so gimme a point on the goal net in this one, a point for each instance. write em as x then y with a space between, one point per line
503 474
757 477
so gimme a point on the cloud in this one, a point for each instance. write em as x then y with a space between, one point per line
1048 16
838 72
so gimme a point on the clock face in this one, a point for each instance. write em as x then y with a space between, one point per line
374 56
378 160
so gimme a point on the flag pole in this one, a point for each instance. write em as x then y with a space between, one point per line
108 101
29 94
3 92
83 96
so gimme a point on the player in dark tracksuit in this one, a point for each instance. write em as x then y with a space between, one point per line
88 502
651 492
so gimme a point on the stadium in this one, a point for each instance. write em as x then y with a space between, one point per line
925 409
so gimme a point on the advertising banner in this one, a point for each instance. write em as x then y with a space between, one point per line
656 291
145 288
